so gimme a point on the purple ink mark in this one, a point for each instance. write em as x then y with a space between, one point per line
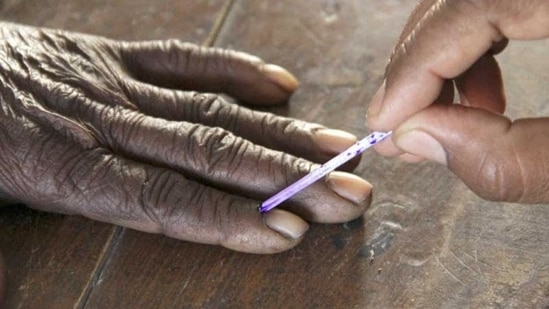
323 170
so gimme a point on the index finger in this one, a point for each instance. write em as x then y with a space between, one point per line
447 40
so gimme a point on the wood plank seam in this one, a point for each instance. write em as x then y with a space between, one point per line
210 40
95 276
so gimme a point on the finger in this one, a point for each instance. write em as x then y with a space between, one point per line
212 155
218 158
109 188
312 141
498 159
482 86
389 149
447 40
177 65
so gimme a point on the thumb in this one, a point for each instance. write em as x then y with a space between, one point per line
498 159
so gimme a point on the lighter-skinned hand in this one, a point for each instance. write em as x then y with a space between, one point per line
136 134
453 42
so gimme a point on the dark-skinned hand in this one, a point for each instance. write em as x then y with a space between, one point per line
136 134
453 42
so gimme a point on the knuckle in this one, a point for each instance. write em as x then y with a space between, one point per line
500 179
218 155
151 189
290 135
278 129
176 46
181 208
180 54
290 168
160 196
223 150
211 109
225 216
285 126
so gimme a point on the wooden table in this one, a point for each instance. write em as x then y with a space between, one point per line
435 244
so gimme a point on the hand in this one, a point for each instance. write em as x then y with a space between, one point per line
117 132
453 42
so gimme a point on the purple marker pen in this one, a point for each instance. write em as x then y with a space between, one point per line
323 170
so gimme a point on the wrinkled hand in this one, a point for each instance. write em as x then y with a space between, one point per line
122 132
453 41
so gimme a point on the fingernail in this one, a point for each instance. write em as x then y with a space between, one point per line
349 186
333 141
281 77
377 101
285 223
421 144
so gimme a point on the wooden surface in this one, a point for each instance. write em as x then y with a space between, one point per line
435 244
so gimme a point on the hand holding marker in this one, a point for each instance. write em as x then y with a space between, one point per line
307 180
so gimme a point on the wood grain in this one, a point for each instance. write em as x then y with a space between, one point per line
188 20
426 241
50 258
